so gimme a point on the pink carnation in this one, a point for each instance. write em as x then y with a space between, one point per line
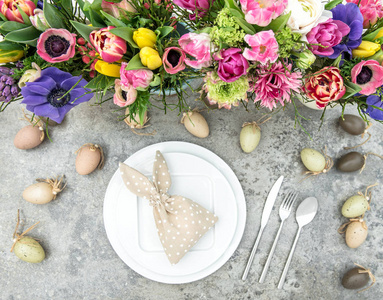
370 9
197 46
264 47
262 12
136 78
275 83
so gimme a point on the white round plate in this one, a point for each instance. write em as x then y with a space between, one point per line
197 174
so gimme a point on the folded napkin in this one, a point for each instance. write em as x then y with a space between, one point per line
180 222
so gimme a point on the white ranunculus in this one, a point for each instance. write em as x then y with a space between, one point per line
306 14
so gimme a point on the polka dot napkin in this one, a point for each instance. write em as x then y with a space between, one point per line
180 222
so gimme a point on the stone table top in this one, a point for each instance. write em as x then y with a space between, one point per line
80 262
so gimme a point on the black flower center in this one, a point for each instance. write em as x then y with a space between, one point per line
123 94
174 57
364 76
56 99
56 45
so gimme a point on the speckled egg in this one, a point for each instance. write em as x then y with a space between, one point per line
249 137
313 160
356 234
355 206
29 250
28 137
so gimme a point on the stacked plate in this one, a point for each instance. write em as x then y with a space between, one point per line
197 174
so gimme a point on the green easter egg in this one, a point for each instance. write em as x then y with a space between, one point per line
354 206
29 250
313 160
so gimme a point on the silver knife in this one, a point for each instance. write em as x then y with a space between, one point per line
265 218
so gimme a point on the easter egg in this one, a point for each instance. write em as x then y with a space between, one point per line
29 250
249 137
354 280
352 124
356 234
351 162
196 124
88 159
39 193
28 137
355 206
313 160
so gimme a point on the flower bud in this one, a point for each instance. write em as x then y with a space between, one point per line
150 58
144 37
365 49
305 59
30 75
111 70
38 20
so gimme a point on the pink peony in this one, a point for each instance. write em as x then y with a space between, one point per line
173 60
117 9
262 12
231 64
370 9
197 46
328 34
275 83
264 47
368 74
140 78
56 45
9 9
123 95
110 46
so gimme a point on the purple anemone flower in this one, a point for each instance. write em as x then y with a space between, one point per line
47 96
349 14
375 100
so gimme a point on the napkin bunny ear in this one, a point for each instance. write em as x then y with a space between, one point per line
161 176
136 182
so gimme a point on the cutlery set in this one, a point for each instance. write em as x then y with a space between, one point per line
305 213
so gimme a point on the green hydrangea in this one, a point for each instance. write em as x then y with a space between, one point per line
225 93
287 41
227 30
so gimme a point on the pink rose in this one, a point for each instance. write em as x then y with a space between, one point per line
9 9
368 74
110 46
264 47
117 9
197 46
136 78
56 45
123 95
173 60
262 12
327 34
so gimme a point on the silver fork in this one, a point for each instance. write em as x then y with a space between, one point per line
284 212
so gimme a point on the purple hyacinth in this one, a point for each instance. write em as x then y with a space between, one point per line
54 94
8 86
349 14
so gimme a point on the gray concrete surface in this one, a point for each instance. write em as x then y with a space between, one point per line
81 263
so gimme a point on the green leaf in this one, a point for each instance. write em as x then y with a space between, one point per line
126 33
164 31
100 82
135 63
245 26
96 19
278 23
52 15
231 4
11 26
351 89
236 13
27 35
3 17
67 6
332 4
113 20
6 45
83 29
81 3
25 17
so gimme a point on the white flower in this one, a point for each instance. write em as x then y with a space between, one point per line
30 75
306 14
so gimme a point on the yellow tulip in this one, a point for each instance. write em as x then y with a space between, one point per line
150 58
112 70
7 56
144 37
365 49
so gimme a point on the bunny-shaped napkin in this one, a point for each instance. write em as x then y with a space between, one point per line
180 222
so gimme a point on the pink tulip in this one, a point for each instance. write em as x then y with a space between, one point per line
199 7
123 95
117 9
56 45
197 46
110 47
232 65
173 60
368 74
136 78
262 12
372 10
9 9
264 47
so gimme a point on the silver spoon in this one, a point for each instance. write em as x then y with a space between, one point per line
305 214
